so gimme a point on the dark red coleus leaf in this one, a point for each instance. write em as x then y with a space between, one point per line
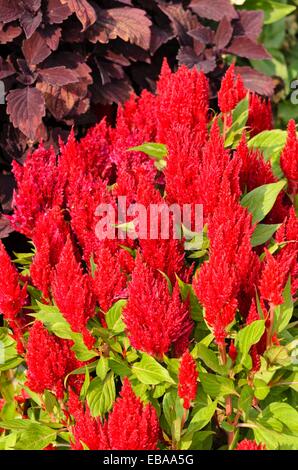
203 34
52 35
244 47
83 10
5 227
10 10
6 190
214 9
223 33
159 37
35 49
8 33
30 22
26 108
256 81
58 75
182 21
116 91
250 24
6 68
57 12
129 24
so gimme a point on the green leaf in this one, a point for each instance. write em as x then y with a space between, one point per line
261 389
120 367
149 371
154 150
9 358
278 355
284 312
102 367
80 349
113 317
274 11
30 435
101 395
208 357
270 143
85 385
217 386
240 116
202 417
275 440
245 399
50 401
260 201
263 233
187 293
249 335
168 405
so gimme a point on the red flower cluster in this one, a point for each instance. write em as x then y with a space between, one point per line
247 444
187 385
130 425
289 158
155 319
49 360
12 296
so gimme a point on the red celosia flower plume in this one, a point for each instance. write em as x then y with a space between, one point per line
86 429
110 277
187 379
219 282
38 189
73 293
289 158
155 319
247 444
232 91
49 360
12 295
132 425
260 115
288 232
49 238
274 277
182 97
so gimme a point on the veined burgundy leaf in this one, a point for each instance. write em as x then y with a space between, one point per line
8 33
256 81
129 24
6 68
223 33
117 58
30 22
214 9
58 75
52 35
32 5
10 10
250 24
181 20
115 92
57 12
247 48
202 34
187 56
5 227
35 49
83 10
158 38
26 108
6 190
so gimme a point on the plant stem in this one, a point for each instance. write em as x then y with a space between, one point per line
229 404
270 328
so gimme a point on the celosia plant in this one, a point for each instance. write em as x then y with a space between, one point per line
118 337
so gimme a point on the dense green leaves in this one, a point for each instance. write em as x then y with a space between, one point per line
249 335
149 371
260 201
101 395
